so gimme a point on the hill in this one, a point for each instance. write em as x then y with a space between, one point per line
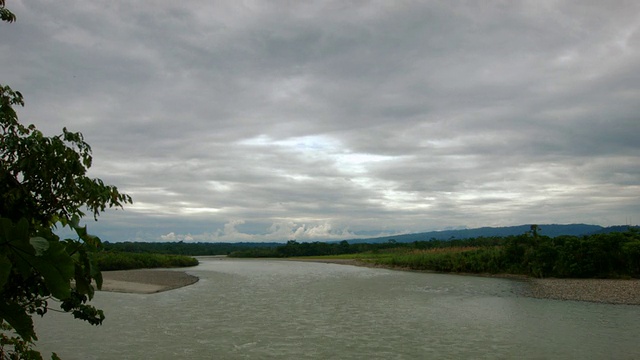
551 230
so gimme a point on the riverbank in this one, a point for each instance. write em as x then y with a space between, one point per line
145 281
608 291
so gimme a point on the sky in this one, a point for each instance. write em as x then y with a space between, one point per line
262 121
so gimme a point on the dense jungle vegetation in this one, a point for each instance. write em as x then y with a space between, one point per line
611 255
145 255
602 255
182 248
109 260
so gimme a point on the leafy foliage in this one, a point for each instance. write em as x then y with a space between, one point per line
5 14
43 184
611 255
46 176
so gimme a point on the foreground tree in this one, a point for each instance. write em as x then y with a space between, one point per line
43 184
5 14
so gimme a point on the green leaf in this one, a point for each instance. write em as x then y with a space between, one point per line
5 230
14 234
5 270
14 239
94 242
16 316
83 283
81 231
40 244
22 229
96 274
98 279
57 269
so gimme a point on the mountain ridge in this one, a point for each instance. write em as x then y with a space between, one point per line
551 230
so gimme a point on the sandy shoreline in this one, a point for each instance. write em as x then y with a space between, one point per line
609 291
145 281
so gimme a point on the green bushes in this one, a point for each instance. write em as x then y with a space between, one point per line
126 261
609 255
255 253
631 253
470 260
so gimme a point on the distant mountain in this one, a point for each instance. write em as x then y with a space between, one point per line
616 228
551 230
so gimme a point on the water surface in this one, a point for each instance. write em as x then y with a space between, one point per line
271 309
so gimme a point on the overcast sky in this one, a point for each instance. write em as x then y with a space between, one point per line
315 120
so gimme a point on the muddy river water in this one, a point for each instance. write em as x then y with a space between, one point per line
270 309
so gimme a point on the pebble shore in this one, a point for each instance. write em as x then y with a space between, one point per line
609 291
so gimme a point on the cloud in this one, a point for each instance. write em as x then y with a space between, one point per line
333 119
276 232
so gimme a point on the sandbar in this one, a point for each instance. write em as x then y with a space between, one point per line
145 281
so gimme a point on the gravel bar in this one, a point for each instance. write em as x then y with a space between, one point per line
609 291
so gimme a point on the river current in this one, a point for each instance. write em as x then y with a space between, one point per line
272 309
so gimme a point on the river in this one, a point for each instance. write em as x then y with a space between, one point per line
271 309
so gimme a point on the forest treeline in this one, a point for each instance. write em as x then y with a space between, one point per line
146 255
317 248
611 255
183 248
110 260
604 255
